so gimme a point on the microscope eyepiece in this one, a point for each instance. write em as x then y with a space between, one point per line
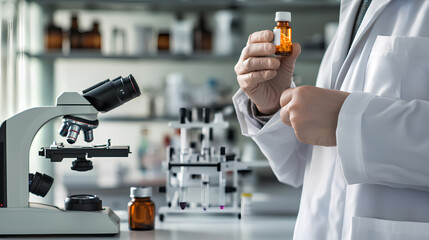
110 94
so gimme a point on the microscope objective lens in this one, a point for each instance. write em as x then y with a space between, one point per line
73 133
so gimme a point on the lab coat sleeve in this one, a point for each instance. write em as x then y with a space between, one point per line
286 155
384 141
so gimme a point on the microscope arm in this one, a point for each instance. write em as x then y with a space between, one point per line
18 133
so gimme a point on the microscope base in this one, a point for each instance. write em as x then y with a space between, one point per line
40 219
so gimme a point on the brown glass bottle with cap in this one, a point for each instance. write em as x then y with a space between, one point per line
92 39
202 35
74 34
141 209
53 36
95 36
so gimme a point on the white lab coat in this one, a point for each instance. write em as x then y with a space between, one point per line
375 183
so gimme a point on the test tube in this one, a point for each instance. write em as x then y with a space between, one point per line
183 151
182 188
222 183
222 179
183 134
170 157
192 151
205 191
205 143
183 198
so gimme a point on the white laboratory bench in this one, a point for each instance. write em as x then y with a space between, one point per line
257 227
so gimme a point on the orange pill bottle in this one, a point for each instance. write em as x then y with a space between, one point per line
283 34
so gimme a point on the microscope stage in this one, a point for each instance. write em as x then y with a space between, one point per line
58 153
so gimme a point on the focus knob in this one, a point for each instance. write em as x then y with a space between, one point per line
39 184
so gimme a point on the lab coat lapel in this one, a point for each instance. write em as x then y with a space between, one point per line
348 9
371 15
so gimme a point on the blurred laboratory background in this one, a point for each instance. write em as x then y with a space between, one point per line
182 54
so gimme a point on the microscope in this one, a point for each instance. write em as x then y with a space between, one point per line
83 214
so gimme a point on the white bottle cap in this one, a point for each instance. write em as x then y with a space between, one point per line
140 192
283 17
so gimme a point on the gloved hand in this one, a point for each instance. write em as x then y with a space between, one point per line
312 112
264 78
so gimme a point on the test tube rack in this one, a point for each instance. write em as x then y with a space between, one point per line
207 170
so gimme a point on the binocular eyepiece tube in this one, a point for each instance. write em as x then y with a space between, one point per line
104 96
110 94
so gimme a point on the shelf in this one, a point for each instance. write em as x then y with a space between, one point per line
53 55
148 119
186 5
306 55
137 119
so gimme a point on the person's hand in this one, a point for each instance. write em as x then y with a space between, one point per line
313 113
264 78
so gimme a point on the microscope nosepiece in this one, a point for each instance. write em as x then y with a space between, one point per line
73 125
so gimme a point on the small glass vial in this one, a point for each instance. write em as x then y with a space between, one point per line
141 209
283 34
246 202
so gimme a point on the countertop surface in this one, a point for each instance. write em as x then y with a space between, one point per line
253 227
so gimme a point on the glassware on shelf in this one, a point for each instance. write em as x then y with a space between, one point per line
53 36
92 39
228 32
74 35
118 41
95 36
163 40
181 36
144 40
202 35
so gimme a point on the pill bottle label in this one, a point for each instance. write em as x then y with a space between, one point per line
277 36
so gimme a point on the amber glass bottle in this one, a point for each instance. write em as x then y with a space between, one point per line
202 35
53 37
283 34
74 34
96 36
163 40
141 209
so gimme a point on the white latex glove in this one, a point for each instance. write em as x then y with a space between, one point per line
313 113
264 78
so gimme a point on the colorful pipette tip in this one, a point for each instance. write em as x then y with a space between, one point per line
182 205
222 207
